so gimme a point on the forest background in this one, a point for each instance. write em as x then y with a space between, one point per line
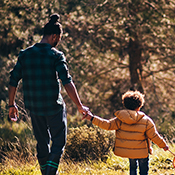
110 46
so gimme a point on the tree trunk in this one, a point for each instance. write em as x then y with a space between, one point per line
135 66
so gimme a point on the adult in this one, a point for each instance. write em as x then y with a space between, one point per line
40 67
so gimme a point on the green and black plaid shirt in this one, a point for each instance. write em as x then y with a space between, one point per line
40 67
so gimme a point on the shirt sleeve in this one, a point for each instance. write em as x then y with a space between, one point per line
112 124
16 73
62 69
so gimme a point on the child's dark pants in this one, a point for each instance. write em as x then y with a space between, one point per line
143 166
46 129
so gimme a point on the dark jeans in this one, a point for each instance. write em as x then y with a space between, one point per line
143 166
47 129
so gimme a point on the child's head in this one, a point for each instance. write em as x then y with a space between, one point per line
133 100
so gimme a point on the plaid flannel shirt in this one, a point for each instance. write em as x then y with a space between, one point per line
40 67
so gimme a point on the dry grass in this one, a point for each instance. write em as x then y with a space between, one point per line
160 164
16 162
19 167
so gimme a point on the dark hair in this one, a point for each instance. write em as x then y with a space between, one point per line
53 26
133 100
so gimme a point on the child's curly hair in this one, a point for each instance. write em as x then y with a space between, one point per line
133 100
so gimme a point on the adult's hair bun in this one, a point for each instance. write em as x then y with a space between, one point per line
54 18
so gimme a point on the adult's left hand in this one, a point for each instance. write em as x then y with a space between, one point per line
83 109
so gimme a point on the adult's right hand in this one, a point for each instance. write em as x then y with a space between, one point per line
13 113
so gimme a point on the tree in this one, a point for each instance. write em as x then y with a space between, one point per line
111 46
108 43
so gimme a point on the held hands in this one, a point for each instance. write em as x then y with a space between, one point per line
166 148
87 116
13 113
83 109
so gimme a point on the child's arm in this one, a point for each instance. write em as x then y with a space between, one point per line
112 124
154 136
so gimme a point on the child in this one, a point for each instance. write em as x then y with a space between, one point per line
133 130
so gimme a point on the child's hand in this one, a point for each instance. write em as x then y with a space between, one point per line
166 148
87 116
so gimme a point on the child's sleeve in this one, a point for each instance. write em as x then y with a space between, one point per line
153 134
112 124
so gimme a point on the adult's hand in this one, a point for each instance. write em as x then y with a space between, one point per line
13 113
83 109
13 109
88 116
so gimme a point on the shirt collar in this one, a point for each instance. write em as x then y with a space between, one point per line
43 45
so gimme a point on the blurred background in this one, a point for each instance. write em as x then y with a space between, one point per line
110 46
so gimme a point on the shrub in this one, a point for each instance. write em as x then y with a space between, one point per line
85 143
